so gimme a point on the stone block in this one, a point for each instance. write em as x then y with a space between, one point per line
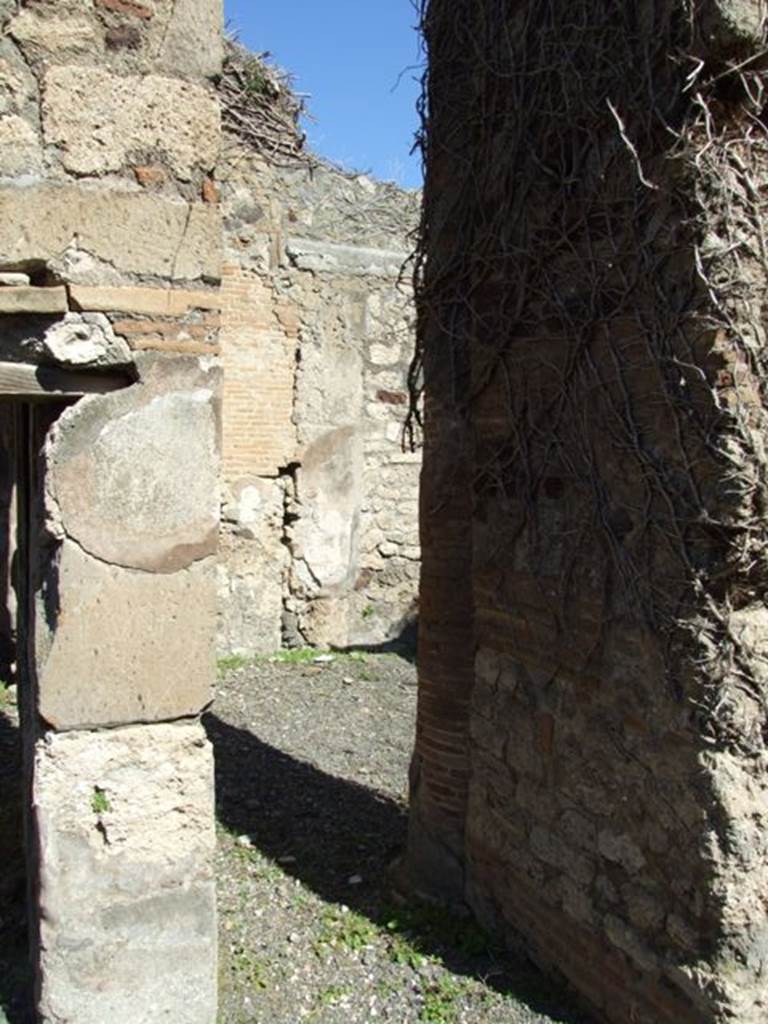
116 646
125 828
18 86
85 340
131 232
192 38
97 119
252 568
171 302
20 149
22 299
133 475
325 539
332 258
45 37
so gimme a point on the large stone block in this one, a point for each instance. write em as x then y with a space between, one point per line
326 535
124 824
183 36
133 475
20 149
252 568
97 120
192 37
127 232
116 646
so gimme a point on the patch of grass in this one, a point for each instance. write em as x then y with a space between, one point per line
231 662
333 995
100 801
368 612
403 952
247 967
344 930
440 1001
421 926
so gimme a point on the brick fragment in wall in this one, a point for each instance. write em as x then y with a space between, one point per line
179 120
171 335
150 176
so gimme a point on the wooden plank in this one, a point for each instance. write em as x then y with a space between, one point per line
24 380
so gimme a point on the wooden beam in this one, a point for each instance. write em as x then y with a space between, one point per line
25 380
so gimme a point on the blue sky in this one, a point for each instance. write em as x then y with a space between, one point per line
348 55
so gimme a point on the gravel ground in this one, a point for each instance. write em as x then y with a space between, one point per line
312 760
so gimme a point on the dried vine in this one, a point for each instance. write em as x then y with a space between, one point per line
259 106
595 274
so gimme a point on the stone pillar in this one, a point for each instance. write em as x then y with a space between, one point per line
110 250
594 234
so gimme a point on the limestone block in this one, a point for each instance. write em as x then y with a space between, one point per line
43 36
85 339
130 231
252 567
332 258
191 42
98 119
171 302
324 622
326 535
132 476
123 646
18 88
127 907
329 389
20 149
729 25
26 299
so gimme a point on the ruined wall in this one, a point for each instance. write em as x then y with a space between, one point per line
110 259
593 340
320 541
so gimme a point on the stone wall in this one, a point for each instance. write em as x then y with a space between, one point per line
320 536
589 772
110 260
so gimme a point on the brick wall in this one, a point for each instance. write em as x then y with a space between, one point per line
316 339
599 768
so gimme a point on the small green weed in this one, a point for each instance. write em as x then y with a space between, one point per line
440 1001
368 612
426 927
231 662
247 967
345 930
99 801
403 952
333 995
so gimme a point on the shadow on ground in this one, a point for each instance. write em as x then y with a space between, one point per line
324 830
404 645
15 982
